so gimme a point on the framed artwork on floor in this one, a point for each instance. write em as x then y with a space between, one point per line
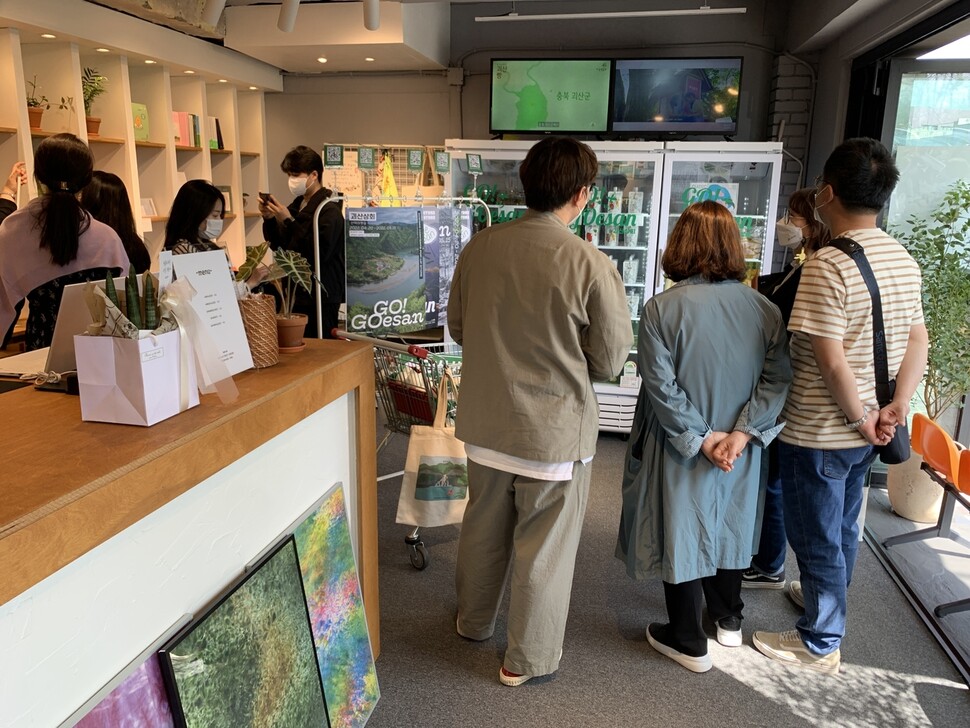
248 661
337 617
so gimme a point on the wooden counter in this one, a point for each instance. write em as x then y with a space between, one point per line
69 485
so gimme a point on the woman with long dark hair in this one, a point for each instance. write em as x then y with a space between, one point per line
106 198
53 241
714 359
195 220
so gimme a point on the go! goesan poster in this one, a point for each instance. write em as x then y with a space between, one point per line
399 266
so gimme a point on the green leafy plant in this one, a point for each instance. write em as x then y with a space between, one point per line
289 272
33 100
93 84
940 244
141 310
42 102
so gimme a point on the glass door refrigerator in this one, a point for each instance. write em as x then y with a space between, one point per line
743 176
620 220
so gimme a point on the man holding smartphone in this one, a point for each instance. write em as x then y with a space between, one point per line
291 228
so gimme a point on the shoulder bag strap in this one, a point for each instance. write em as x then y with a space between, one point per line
858 254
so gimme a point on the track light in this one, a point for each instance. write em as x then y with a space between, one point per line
287 20
372 14
702 10
213 11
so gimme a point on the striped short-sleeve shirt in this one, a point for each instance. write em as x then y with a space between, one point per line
833 302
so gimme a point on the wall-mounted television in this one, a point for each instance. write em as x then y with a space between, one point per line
676 96
550 96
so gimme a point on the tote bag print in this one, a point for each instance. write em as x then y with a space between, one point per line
434 489
441 478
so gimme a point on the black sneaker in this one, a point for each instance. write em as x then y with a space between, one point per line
754 579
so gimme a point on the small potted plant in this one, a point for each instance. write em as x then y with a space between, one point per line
35 104
289 272
93 84
940 244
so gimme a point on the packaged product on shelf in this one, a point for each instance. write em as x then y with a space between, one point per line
631 236
634 201
633 300
631 268
612 235
614 201
593 234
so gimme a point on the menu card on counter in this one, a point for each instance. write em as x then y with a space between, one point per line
215 303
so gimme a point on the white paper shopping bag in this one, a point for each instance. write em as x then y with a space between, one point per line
134 381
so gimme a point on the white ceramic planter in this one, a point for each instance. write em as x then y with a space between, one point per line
912 494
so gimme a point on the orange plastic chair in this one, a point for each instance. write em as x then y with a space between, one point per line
916 434
947 465
941 461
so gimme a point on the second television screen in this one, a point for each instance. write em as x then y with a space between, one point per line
550 96
693 96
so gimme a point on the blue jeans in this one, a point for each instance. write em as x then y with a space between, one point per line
822 492
772 547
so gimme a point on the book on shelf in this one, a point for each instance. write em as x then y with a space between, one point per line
214 133
186 128
139 120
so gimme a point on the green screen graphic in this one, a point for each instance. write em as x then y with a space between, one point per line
550 96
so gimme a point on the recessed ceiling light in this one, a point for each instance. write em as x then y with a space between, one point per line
254 88
321 59
103 50
369 59
149 61
223 80
188 71
47 35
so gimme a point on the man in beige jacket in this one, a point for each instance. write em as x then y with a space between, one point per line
539 313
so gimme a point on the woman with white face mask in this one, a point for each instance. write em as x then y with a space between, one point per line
800 232
290 227
196 218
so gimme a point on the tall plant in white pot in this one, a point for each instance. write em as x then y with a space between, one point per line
940 244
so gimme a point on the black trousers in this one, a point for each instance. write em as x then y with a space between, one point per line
686 600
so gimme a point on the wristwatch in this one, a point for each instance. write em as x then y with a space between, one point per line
855 425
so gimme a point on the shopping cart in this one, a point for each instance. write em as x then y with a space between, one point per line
408 378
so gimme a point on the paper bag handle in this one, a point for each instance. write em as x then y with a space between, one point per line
442 411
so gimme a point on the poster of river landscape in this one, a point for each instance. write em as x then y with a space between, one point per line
386 291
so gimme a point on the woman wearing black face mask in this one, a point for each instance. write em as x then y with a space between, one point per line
800 232
291 228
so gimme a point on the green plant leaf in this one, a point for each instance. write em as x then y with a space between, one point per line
940 244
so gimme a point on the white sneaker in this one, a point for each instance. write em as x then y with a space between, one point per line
694 664
729 631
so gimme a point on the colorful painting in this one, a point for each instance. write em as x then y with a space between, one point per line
441 478
249 660
337 613
138 702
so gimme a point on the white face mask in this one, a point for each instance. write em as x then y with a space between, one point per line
789 234
815 209
297 185
213 229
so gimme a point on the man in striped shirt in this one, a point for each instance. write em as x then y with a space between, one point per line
833 418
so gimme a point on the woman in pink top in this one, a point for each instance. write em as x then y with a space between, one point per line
53 242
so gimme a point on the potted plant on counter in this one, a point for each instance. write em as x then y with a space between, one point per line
93 84
288 272
940 244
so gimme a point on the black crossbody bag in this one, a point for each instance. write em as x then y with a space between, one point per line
897 451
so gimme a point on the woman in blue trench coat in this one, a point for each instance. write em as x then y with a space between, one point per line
713 355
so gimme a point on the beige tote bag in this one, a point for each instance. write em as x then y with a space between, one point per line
434 491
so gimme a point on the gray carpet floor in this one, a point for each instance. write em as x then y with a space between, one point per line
894 673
